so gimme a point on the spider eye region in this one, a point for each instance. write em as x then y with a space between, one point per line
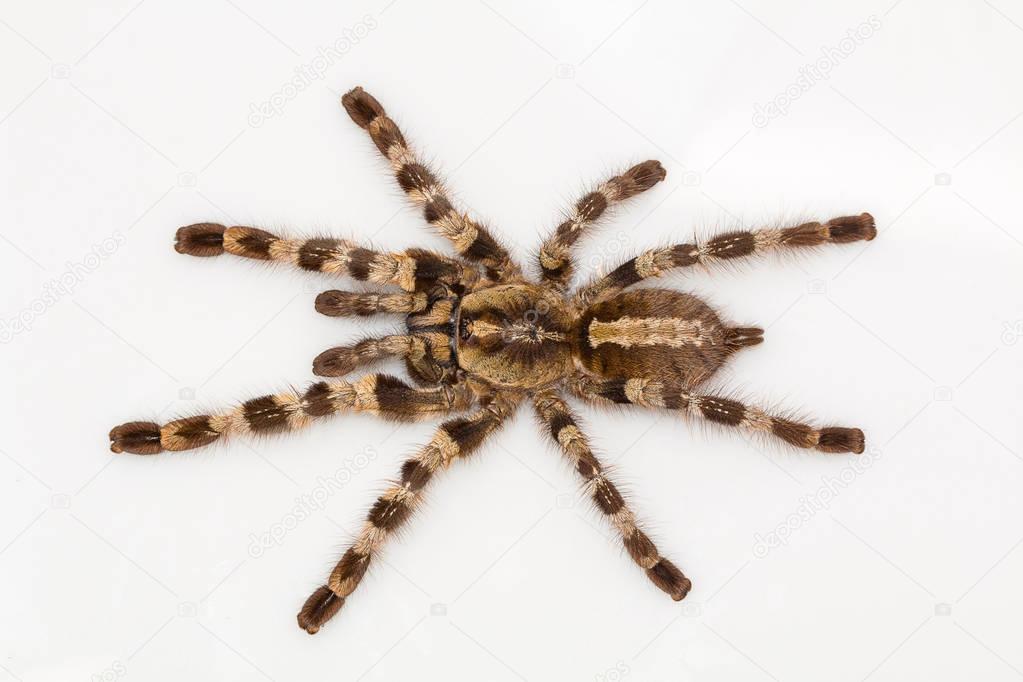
515 335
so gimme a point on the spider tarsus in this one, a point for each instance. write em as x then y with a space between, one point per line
138 438
645 175
318 609
334 303
852 228
669 578
683 589
837 439
201 239
361 106
335 362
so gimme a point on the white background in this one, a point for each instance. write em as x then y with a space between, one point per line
120 123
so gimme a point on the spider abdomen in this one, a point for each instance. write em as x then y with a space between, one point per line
656 334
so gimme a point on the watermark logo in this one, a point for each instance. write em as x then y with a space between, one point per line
114 671
312 71
60 287
310 503
1011 332
810 505
617 673
813 73
609 251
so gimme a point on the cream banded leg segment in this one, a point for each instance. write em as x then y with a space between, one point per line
338 257
470 239
288 411
719 410
560 423
555 257
455 439
726 247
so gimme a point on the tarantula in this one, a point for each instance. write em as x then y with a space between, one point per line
483 335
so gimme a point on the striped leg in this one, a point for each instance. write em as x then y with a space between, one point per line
408 270
555 255
454 439
561 424
726 247
336 303
718 410
471 240
337 362
377 393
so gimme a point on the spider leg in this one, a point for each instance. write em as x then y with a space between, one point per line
409 270
561 424
339 361
335 303
555 255
470 239
289 411
726 247
455 439
718 410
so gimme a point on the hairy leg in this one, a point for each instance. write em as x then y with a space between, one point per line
718 410
454 439
335 303
726 247
409 270
337 362
289 411
471 239
559 421
555 255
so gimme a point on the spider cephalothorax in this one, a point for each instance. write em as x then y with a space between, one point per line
482 336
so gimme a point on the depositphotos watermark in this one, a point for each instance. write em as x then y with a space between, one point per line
112 672
608 252
619 672
1012 332
314 70
818 70
75 272
809 505
309 503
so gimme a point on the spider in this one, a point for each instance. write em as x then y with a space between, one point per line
483 336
